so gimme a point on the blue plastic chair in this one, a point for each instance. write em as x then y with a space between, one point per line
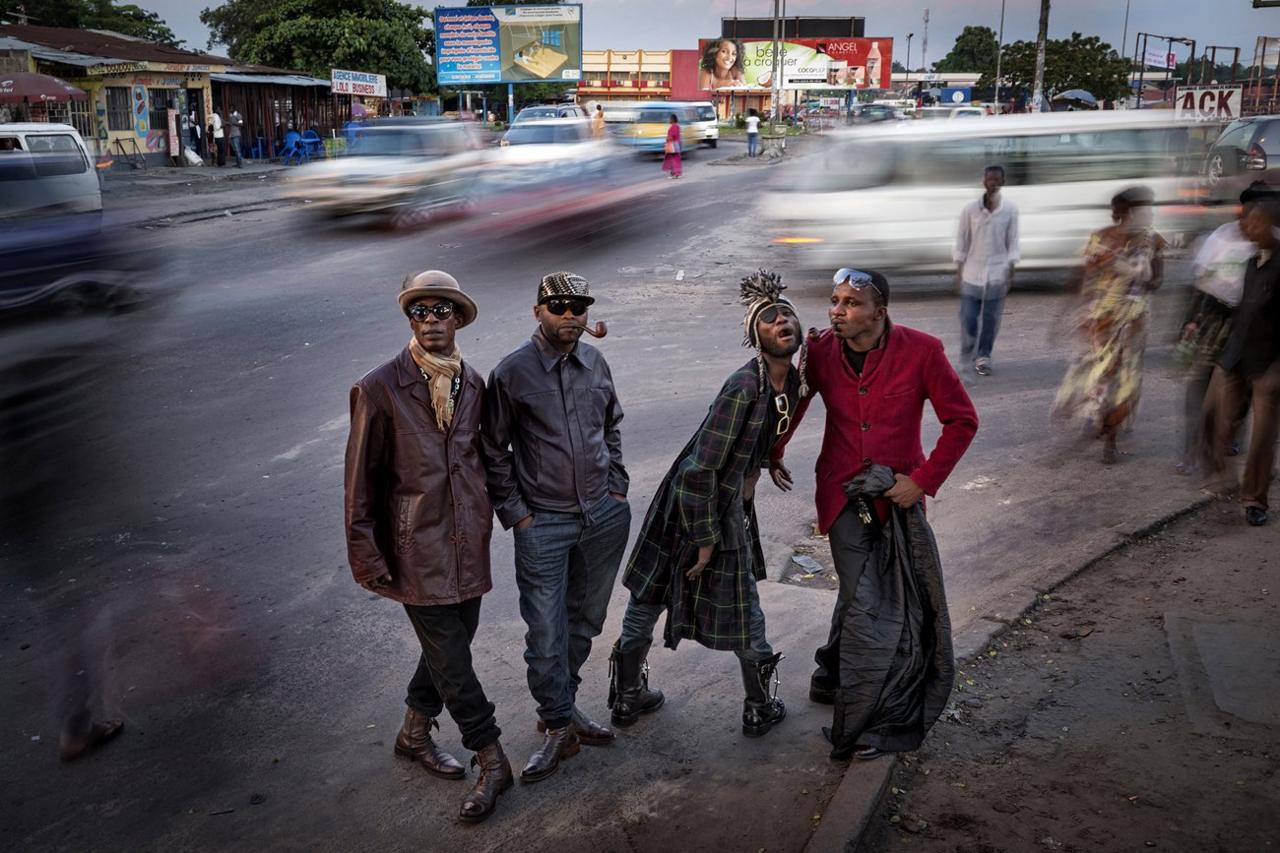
259 149
294 148
314 144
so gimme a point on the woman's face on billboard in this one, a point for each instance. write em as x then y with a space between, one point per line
726 56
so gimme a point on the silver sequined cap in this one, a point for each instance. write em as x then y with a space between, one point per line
564 284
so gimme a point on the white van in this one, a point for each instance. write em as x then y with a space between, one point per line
46 166
707 124
889 196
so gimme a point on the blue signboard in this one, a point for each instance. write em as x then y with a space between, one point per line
508 44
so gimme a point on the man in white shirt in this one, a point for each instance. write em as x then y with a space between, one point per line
220 143
753 134
985 255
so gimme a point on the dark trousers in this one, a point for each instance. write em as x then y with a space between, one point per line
445 676
565 567
1227 390
852 541
221 146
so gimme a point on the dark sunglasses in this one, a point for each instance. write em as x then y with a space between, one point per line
559 306
783 405
442 310
771 313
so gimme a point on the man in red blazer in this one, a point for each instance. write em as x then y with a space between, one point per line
874 377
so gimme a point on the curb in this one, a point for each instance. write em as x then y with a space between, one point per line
858 794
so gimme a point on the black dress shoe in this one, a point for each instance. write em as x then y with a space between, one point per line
1255 515
556 744
588 730
866 753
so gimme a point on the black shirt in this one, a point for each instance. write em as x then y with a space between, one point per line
1254 343
857 360
791 392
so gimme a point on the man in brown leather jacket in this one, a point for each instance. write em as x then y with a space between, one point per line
418 523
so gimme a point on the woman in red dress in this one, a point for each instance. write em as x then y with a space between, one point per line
671 149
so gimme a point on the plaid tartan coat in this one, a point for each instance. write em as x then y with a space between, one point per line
700 503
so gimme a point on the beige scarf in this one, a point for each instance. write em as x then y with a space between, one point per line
439 371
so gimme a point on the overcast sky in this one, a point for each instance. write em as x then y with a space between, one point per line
664 24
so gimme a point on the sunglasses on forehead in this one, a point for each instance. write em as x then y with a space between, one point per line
857 279
558 306
442 310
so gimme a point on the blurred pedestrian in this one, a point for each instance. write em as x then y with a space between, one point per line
671 148
1249 367
235 127
1123 266
1219 269
414 449
986 252
194 124
887 664
698 557
753 133
597 122
219 140
554 452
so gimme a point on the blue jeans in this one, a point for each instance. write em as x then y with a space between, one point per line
980 312
565 568
753 144
640 620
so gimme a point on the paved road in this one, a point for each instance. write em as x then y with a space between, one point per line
221 613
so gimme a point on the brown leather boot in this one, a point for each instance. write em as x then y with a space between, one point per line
414 742
495 777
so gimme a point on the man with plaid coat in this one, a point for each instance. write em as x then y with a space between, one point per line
698 557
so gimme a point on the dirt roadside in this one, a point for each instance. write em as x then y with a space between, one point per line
1136 707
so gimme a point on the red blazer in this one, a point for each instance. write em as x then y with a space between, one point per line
876 418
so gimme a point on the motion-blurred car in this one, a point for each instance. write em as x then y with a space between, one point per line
539 112
1247 150
544 170
402 172
934 113
889 196
648 132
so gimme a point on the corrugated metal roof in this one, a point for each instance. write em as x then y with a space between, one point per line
276 79
105 44
50 54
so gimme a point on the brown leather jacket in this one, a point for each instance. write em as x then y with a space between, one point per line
416 505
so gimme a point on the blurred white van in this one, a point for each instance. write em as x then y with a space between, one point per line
46 166
889 196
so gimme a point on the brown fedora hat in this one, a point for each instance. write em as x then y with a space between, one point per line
441 284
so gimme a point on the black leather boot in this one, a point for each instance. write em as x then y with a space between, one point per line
495 778
762 709
629 693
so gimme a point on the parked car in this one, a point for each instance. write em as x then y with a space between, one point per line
403 171
1247 150
872 113
888 196
46 166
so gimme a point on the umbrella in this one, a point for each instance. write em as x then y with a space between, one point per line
24 87
1077 95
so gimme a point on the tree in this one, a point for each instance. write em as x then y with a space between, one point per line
125 19
378 36
1074 63
898 67
975 50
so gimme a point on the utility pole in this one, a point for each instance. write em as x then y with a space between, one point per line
924 45
1037 98
776 76
999 56
910 36
1124 36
